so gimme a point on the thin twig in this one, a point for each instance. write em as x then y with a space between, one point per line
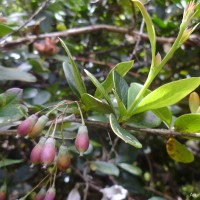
43 5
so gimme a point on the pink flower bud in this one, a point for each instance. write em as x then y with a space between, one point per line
51 193
82 140
48 152
39 126
37 150
41 194
3 192
26 126
64 158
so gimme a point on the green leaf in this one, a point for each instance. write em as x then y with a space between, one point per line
150 28
6 162
144 120
94 104
188 123
78 86
15 74
178 151
131 169
121 87
122 133
167 94
121 69
105 168
100 88
4 30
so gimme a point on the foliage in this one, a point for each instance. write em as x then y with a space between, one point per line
68 82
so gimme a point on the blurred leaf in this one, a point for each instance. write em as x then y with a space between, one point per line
4 29
6 162
188 123
15 74
122 133
178 151
122 69
104 167
42 97
167 94
131 169
74 74
94 104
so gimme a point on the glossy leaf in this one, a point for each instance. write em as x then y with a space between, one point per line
188 123
122 69
7 162
74 75
100 88
121 87
122 133
167 94
104 167
94 104
178 151
131 169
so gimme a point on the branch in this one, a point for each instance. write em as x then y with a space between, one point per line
194 39
104 125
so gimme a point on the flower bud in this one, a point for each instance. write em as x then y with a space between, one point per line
27 125
51 193
3 192
39 126
41 194
37 150
82 140
194 102
64 158
48 152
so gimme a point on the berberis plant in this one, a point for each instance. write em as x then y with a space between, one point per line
124 106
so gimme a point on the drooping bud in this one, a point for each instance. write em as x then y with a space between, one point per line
51 193
64 158
194 102
41 194
37 150
82 140
27 125
3 192
39 126
48 152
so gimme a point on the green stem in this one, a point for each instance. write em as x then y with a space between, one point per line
61 128
82 119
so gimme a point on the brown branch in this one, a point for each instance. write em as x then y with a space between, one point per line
194 39
151 131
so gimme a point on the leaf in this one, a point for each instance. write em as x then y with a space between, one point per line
131 169
74 72
94 104
15 74
100 88
105 168
150 27
4 30
144 120
5 162
122 133
121 87
42 97
178 151
122 69
167 94
188 123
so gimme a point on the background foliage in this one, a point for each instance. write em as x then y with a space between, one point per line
145 173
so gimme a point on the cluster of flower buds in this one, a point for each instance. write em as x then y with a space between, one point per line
32 126
46 195
194 103
82 140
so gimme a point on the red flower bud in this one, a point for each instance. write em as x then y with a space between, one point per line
41 194
64 158
3 192
37 150
48 152
51 193
39 126
82 140
26 126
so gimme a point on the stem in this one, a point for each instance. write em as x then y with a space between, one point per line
61 128
54 179
82 119
58 105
